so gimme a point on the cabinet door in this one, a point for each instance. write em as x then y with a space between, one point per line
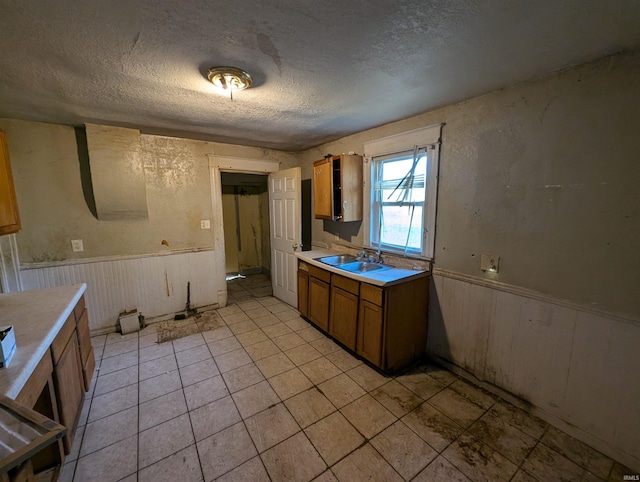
351 172
303 293
322 189
86 350
9 216
69 387
370 324
319 303
344 317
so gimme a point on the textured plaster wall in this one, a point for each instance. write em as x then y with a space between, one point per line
545 175
251 228
53 209
230 236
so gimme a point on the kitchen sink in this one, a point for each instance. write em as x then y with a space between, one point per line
338 259
362 266
351 263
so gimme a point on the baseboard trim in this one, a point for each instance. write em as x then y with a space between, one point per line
151 320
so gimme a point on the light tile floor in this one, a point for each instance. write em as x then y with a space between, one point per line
266 396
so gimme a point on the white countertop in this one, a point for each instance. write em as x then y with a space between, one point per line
37 317
382 277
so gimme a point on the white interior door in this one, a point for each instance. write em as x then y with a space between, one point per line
286 232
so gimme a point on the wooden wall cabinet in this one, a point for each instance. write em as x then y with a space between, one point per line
9 216
337 188
343 320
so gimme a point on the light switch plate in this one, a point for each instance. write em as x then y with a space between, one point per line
76 245
205 224
490 263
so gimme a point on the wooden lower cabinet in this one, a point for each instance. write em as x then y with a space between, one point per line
386 326
69 385
319 303
87 358
303 292
57 385
370 323
343 320
344 317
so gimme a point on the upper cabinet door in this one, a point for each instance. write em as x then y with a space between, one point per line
337 188
322 189
9 216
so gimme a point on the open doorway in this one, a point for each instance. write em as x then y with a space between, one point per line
245 212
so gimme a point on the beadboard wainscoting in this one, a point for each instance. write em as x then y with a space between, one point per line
577 367
154 284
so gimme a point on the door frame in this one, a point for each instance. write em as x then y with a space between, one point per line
218 164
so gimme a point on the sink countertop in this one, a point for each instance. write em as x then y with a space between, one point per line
37 317
381 277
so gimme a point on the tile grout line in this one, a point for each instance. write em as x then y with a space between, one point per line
241 419
84 431
195 442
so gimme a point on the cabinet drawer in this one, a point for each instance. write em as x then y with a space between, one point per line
77 311
302 266
60 342
33 388
349 285
371 293
319 273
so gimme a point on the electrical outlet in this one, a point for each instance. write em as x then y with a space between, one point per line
490 263
205 224
76 245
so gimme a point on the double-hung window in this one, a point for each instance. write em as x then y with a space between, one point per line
402 173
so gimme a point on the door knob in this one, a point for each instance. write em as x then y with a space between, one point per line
295 246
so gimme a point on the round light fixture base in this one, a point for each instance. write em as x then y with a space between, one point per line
229 78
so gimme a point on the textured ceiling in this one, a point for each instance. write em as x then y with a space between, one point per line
322 69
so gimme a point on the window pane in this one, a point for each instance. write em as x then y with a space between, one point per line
397 169
396 224
394 171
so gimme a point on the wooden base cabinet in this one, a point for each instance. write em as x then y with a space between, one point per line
57 385
87 358
370 323
343 321
319 297
68 379
386 326
404 325
303 289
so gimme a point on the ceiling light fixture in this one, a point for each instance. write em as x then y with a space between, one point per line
229 78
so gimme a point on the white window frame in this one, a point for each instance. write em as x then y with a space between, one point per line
423 137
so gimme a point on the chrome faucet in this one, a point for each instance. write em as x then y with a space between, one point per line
362 255
379 253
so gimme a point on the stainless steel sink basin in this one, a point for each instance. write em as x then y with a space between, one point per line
337 260
362 266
